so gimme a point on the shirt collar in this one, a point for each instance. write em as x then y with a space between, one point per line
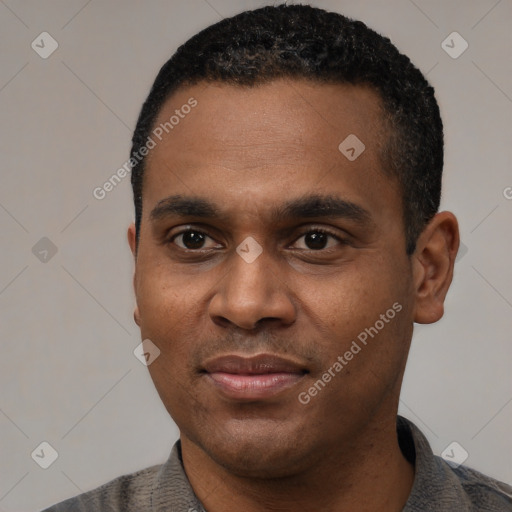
436 486
172 491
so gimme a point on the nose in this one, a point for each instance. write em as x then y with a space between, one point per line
252 293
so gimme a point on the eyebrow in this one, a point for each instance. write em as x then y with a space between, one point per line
307 206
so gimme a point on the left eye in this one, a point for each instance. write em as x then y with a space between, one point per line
317 240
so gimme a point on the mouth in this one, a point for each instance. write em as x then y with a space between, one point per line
253 378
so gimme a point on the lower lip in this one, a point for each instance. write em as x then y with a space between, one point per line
253 387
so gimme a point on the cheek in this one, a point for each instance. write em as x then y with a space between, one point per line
354 297
363 317
172 308
163 299
163 319
166 320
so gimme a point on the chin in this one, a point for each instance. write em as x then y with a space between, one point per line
258 449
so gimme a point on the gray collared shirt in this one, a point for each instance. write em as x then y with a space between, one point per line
437 487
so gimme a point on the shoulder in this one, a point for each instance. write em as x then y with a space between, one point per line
159 487
483 492
441 485
128 493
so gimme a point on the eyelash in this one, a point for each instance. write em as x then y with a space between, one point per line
324 231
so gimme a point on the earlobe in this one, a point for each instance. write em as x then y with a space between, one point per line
136 315
433 263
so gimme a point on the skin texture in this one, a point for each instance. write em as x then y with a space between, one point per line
250 150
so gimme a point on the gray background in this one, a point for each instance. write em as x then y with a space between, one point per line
68 375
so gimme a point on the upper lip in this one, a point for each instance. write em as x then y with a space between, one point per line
253 365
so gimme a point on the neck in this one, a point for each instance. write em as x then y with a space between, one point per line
368 473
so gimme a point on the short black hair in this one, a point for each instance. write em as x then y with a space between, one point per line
303 42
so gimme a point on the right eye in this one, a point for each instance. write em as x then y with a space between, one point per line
191 240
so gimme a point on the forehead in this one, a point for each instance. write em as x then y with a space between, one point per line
310 115
288 135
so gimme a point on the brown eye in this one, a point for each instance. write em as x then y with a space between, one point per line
192 239
317 240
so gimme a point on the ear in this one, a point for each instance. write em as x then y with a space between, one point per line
433 262
132 241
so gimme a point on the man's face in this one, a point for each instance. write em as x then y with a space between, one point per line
244 336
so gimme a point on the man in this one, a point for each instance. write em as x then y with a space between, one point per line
287 174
